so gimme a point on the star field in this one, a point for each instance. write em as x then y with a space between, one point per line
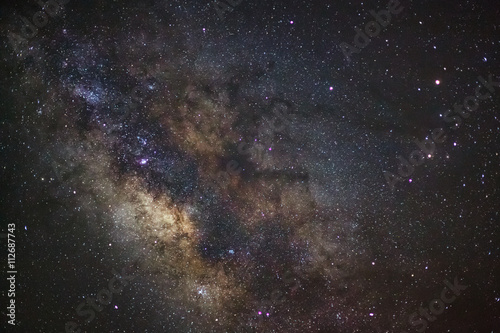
242 166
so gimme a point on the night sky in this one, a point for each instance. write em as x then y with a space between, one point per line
250 166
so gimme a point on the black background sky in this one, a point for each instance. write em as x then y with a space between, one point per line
231 170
